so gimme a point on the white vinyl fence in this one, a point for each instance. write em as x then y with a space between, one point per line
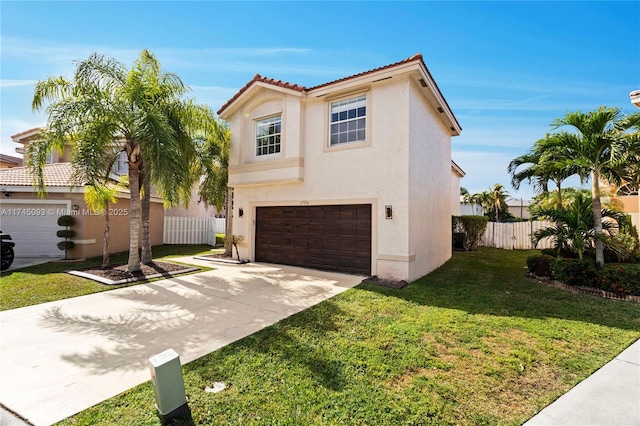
515 235
192 230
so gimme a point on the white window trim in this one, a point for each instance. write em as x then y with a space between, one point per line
255 138
327 122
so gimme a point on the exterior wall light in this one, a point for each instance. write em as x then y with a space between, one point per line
240 212
388 212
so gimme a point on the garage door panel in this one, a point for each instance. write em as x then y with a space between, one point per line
334 238
35 236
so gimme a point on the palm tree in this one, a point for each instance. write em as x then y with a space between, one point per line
598 149
476 199
541 169
495 200
107 108
572 227
98 198
214 189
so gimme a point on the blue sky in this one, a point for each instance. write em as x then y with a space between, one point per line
507 69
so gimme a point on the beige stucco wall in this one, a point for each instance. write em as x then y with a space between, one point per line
195 208
376 172
429 189
631 205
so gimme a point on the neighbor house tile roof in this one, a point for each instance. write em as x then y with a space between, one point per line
258 78
57 174
10 159
27 133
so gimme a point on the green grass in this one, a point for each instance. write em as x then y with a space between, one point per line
49 282
475 342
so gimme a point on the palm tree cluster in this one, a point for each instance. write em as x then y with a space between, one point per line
493 201
107 109
602 145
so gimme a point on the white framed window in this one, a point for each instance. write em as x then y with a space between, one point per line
348 120
268 131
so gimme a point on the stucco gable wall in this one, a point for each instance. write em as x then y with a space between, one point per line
430 183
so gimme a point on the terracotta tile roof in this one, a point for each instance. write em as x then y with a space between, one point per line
57 174
414 58
10 159
259 78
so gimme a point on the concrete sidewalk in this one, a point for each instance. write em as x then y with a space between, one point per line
62 357
610 396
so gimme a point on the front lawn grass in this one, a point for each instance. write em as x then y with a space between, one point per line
49 282
473 343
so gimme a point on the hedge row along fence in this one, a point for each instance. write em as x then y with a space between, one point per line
618 278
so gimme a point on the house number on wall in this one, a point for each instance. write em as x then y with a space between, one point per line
304 203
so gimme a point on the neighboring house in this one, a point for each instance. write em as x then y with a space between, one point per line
197 208
632 202
519 207
8 161
354 175
470 209
457 174
32 220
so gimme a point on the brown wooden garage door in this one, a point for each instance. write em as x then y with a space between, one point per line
334 238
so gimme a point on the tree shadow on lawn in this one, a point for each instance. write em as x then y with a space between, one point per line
504 290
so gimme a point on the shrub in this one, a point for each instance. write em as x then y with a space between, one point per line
620 278
66 221
575 271
65 233
66 245
472 229
458 240
540 264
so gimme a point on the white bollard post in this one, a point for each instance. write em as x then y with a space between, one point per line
168 386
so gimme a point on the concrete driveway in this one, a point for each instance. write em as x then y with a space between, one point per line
62 357
23 262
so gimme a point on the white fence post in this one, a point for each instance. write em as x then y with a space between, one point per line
192 230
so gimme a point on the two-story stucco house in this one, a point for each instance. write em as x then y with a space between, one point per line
354 175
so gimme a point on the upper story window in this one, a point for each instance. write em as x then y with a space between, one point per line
348 120
121 165
268 135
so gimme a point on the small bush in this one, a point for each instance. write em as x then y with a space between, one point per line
575 271
458 240
472 229
65 233
620 278
66 245
540 264
66 221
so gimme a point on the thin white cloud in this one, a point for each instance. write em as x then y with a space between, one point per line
5 83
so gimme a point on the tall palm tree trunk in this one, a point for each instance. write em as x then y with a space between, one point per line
596 208
559 183
134 217
145 204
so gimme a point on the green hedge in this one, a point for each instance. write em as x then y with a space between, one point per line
623 278
470 230
540 264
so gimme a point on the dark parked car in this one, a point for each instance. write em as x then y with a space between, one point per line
7 250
